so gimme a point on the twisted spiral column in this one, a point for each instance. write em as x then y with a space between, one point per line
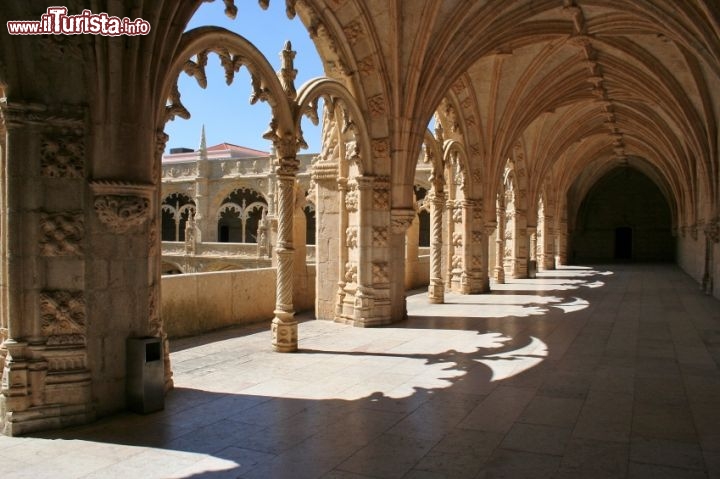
436 290
284 326
500 249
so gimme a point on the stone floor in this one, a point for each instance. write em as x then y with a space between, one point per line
582 373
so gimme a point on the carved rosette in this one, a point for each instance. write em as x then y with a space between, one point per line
122 207
62 316
61 234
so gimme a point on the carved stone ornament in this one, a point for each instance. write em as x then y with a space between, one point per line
61 234
351 200
380 273
379 236
122 206
351 237
401 220
63 155
62 316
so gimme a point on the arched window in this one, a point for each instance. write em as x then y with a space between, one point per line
423 216
176 210
239 215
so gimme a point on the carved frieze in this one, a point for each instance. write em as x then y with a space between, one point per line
351 237
380 273
61 234
381 199
377 106
457 239
456 262
62 316
63 155
353 32
351 200
366 66
122 213
122 206
380 236
350 272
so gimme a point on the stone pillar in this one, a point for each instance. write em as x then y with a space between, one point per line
436 290
411 253
561 243
450 248
474 270
532 257
546 259
43 268
401 219
500 248
284 326
712 237
520 243
327 242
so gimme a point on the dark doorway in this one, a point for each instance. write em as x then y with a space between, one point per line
623 243
224 233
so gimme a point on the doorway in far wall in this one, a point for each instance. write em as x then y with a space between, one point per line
623 243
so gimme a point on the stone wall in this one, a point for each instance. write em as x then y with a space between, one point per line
201 302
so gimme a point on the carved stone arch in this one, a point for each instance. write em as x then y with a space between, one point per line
229 207
454 153
337 99
235 52
226 191
434 155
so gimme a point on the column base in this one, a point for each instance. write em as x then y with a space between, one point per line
284 333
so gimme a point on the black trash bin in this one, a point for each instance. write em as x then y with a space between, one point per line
145 375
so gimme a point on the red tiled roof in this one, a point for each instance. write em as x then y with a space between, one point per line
240 149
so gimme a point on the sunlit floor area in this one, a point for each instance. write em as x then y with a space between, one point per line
584 372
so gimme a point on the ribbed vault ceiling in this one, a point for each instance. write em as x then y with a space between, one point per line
578 86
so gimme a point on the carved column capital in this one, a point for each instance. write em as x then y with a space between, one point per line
15 113
122 206
401 219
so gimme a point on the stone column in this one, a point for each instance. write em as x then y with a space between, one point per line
393 271
284 326
436 290
450 248
411 253
474 270
712 237
532 257
500 248
327 243
561 243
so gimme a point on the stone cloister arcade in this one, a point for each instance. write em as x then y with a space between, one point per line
530 103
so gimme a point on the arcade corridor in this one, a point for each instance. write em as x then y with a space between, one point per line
583 372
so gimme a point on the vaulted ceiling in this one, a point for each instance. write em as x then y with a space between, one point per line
572 87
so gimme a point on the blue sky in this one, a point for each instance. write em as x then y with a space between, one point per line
225 111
